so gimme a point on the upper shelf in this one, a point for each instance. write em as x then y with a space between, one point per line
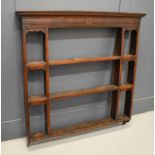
88 60
78 19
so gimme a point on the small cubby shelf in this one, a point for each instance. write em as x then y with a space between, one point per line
42 21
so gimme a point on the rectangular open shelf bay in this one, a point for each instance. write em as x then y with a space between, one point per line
75 129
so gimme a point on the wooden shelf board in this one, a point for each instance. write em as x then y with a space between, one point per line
36 100
66 94
41 64
76 129
36 65
102 89
82 60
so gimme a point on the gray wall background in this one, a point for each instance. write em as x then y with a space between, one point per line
67 44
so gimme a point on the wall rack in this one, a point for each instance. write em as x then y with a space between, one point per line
42 21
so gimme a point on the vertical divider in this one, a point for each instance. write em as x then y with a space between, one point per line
46 83
25 74
117 71
131 73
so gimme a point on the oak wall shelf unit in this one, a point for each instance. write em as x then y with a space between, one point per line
42 21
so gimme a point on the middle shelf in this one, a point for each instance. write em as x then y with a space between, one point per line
41 64
36 100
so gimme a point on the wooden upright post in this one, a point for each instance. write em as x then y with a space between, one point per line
46 84
27 110
117 72
131 72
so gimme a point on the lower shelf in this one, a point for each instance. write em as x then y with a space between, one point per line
76 129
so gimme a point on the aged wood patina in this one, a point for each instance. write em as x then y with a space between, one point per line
42 21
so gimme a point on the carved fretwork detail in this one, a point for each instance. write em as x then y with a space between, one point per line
33 30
